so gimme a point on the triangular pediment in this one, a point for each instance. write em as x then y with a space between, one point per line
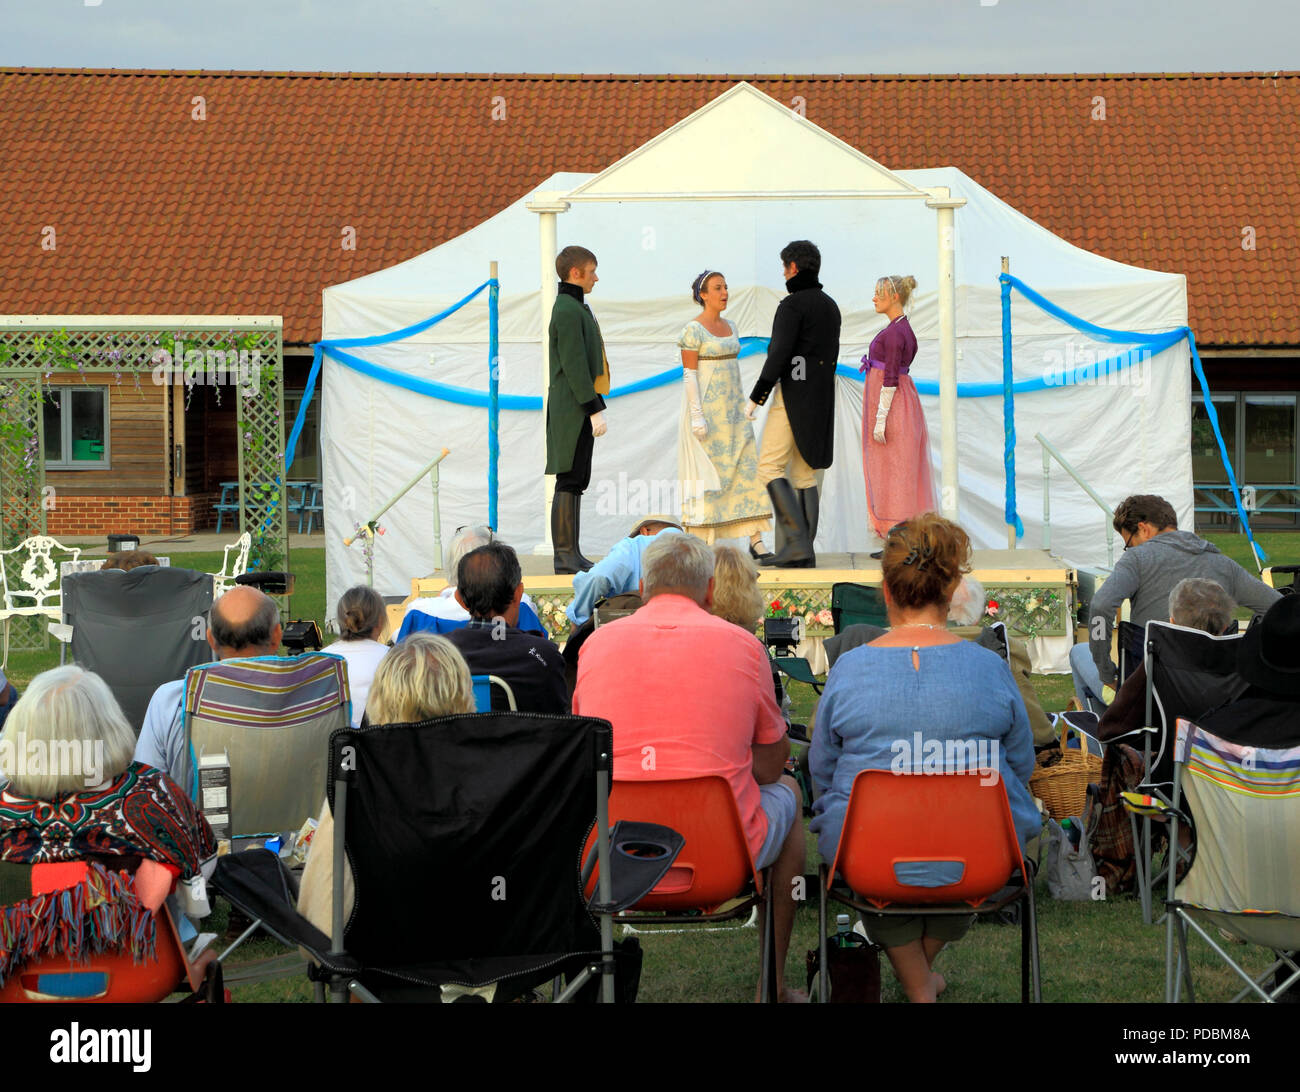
743 143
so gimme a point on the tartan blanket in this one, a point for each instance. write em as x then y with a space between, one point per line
1112 840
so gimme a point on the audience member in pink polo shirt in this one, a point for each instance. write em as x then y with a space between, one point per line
699 691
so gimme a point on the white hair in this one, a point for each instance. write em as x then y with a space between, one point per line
465 540
677 562
967 606
1201 604
66 733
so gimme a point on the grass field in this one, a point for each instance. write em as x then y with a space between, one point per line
1090 952
1095 951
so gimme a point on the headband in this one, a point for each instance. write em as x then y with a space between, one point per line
699 283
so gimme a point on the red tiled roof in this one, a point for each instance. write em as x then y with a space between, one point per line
154 212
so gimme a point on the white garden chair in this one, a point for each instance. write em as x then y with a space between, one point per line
234 563
37 589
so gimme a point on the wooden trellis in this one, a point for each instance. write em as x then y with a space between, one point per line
144 352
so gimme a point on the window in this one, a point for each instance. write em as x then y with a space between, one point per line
306 459
1259 431
76 428
1207 463
1270 439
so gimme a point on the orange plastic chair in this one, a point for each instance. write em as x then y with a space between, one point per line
897 820
713 867
109 977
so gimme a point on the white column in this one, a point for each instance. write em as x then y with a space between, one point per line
948 495
547 206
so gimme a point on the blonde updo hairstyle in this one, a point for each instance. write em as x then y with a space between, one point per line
736 597
923 561
424 676
902 287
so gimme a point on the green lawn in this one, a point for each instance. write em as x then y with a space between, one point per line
1090 952
1096 951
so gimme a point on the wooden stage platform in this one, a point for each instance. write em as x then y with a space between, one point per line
1031 590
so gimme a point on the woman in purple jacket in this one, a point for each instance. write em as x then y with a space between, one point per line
895 444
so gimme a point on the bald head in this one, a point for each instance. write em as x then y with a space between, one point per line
244 622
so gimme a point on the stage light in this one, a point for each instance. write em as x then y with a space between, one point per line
301 636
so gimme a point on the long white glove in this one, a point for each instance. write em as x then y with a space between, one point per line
882 412
698 424
598 425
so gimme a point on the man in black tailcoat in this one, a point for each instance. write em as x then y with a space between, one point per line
800 366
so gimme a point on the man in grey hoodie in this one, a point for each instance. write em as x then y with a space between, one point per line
1156 557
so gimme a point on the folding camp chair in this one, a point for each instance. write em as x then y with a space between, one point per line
714 878
138 629
111 976
798 669
268 717
1274 572
961 820
417 621
483 685
464 834
995 638
1131 641
1244 879
1189 672
857 603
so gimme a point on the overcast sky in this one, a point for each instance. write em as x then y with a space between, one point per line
717 36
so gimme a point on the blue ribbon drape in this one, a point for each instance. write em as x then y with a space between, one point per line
1011 516
1146 345
1149 345
494 404
335 346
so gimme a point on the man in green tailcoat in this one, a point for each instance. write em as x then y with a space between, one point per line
579 375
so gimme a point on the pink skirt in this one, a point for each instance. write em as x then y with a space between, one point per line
900 483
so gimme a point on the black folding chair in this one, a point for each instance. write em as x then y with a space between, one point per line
852 604
1189 672
1131 640
1293 571
464 835
138 629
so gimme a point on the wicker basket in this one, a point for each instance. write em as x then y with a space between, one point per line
1063 787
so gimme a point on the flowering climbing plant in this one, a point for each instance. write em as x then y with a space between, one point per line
1027 611
34 359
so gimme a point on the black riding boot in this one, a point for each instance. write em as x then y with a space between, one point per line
797 553
810 502
564 534
584 563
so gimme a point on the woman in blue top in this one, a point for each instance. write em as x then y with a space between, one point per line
918 682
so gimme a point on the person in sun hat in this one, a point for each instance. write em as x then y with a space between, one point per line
619 571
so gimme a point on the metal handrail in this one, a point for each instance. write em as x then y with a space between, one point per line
368 529
1050 453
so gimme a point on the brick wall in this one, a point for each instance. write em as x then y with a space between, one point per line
87 516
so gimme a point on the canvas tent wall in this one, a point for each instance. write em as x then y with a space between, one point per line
1123 437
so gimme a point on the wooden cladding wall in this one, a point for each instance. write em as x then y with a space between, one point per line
137 457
